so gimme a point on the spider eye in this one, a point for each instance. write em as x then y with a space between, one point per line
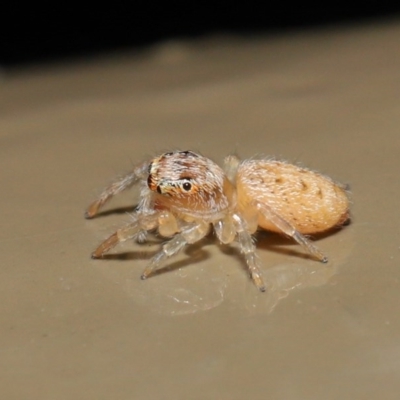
188 153
187 186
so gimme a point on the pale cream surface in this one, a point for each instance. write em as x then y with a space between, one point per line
76 328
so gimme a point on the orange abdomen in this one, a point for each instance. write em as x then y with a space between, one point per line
309 201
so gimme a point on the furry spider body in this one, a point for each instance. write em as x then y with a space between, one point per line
184 194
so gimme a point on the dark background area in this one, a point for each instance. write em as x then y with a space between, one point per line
39 34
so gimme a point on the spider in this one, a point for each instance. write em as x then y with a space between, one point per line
183 194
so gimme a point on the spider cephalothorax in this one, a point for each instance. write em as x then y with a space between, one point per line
188 183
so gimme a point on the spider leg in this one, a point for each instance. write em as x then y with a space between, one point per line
188 235
231 165
136 227
289 230
120 184
248 248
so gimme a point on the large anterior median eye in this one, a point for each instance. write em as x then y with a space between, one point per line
187 186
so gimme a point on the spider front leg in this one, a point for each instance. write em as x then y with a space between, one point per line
119 185
188 235
287 228
139 224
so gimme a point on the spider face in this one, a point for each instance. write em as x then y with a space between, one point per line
187 182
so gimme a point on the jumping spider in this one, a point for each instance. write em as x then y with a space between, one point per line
183 194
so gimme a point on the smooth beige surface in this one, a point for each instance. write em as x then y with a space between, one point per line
75 328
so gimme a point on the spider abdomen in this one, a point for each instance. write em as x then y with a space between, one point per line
309 201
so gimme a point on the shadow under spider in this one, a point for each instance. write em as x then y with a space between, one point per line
272 241
276 243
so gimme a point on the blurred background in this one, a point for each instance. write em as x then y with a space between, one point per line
87 92
35 34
